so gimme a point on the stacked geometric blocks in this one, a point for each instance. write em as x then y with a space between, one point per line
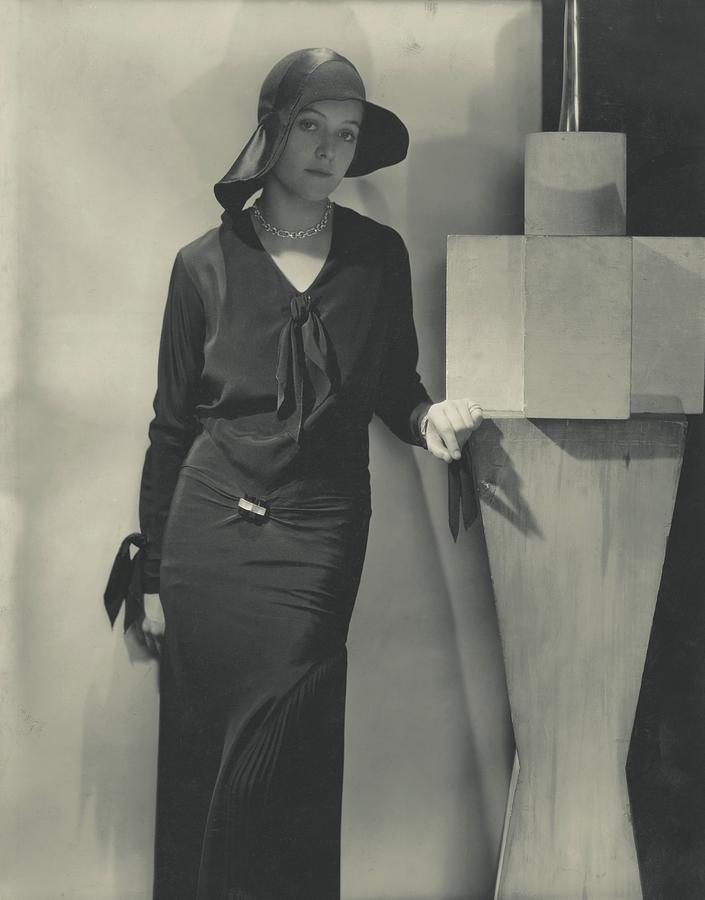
572 319
565 336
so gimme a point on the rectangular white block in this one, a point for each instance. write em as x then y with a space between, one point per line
485 322
668 325
575 182
577 345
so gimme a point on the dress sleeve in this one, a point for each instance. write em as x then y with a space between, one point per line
175 425
402 399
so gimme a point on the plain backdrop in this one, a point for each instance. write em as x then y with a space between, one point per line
119 118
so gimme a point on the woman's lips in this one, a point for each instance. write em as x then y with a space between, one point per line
319 173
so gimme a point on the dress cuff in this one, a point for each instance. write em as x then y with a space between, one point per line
416 418
150 574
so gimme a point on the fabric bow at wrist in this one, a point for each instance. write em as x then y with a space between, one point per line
125 581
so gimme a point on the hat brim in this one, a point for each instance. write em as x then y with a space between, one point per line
383 141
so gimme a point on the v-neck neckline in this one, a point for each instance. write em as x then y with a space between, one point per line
277 268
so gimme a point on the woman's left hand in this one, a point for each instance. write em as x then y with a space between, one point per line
450 424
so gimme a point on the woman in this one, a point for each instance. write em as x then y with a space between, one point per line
285 329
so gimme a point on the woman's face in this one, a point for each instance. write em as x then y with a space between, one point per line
320 148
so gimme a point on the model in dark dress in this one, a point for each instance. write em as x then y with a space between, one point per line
257 612
255 503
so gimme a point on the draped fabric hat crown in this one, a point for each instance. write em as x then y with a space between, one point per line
293 83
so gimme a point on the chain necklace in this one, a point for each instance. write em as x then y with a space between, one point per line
294 235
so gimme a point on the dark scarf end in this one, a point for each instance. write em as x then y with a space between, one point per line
462 493
125 582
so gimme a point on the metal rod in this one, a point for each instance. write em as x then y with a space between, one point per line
570 99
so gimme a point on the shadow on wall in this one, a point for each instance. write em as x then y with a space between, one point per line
115 748
492 202
413 618
107 789
204 112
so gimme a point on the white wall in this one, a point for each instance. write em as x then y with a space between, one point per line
127 113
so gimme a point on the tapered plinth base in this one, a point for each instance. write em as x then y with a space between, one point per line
576 515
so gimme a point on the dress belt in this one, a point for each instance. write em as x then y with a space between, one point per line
125 579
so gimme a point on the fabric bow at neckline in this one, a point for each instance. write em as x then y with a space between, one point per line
305 363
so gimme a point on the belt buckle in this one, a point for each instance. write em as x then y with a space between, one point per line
252 508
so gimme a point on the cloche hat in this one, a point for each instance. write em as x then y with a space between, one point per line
293 83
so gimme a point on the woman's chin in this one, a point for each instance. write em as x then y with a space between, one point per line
317 195
307 188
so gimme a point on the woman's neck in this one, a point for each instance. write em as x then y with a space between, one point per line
288 211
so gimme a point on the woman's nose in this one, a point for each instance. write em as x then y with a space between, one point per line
326 149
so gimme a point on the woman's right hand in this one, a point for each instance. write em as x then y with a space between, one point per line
449 424
153 624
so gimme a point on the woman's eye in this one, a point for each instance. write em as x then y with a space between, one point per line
307 124
348 136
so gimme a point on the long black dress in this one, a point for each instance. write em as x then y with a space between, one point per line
265 393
